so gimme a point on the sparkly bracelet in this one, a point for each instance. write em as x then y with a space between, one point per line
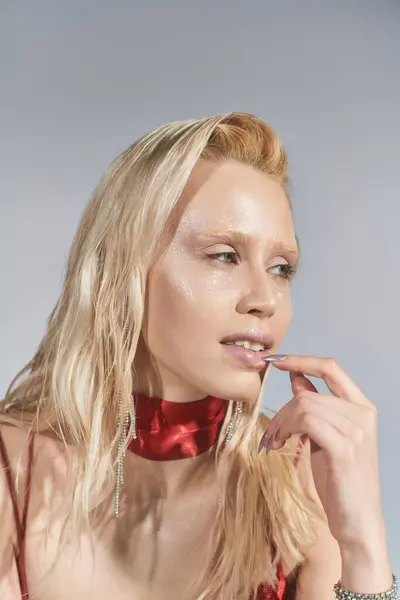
342 594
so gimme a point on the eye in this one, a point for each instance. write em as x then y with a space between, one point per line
225 257
286 271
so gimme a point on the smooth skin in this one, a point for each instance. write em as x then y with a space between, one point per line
342 430
223 272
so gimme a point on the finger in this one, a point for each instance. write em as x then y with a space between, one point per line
324 426
327 369
347 417
300 383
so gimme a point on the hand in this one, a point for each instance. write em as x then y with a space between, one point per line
343 428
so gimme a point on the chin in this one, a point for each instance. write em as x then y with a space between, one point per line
243 387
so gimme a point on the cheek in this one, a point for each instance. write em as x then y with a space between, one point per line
189 306
188 290
184 308
284 313
282 316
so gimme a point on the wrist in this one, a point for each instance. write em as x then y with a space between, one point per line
366 567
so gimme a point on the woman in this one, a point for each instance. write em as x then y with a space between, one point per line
134 450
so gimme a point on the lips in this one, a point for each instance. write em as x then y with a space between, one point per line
243 354
253 336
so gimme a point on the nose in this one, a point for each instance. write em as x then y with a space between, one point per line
261 298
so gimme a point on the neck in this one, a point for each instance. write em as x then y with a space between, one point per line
174 446
167 479
158 381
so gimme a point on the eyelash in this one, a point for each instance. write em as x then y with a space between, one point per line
289 270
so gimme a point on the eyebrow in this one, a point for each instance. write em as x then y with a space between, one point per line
229 236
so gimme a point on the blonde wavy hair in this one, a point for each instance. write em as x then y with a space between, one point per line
81 376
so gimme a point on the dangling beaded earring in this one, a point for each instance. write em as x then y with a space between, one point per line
236 416
121 449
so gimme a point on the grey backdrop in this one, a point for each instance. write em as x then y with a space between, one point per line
81 80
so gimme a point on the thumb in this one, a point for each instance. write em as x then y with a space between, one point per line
300 383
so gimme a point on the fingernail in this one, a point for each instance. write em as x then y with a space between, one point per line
275 358
268 444
262 441
270 440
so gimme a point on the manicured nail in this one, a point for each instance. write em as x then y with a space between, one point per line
268 445
262 441
275 358
270 440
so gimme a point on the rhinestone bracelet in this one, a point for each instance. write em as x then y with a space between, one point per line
342 594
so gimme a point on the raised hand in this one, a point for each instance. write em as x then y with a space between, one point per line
343 427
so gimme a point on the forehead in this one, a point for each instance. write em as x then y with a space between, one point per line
234 196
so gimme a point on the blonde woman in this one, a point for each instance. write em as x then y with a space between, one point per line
136 462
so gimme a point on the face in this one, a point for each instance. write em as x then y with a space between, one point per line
223 283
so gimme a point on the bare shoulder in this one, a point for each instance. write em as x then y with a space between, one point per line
8 537
43 457
17 440
13 467
46 463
